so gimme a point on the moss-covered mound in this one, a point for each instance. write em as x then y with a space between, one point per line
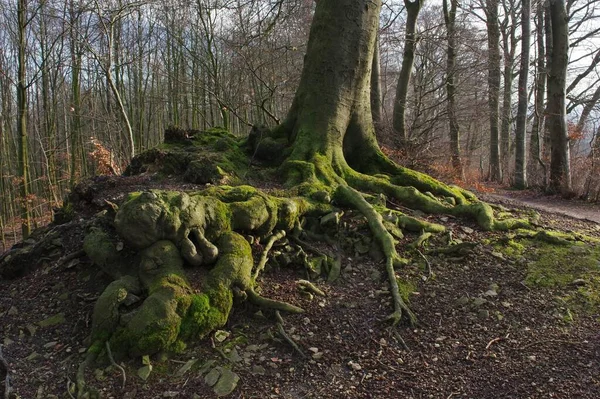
213 156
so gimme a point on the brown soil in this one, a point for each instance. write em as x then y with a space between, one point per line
512 346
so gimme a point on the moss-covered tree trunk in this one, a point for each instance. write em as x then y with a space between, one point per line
332 109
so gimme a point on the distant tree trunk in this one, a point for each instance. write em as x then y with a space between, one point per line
510 42
520 177
408 57
587 110
560 171
22 120
450 19
376 104
494 87
77 158
537 127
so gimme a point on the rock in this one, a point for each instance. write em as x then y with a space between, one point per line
144 372
498 255
317 355
170 394
221 335
186 367
483 314
50 345
212 377
354 366
331 219
479 302
207 366
55 320
579 282
462 301
234 356
259 370
31 329
490 293
8 341
13 311
467 230
227 383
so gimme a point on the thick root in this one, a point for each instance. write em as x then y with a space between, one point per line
347 195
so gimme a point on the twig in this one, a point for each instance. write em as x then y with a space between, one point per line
492 342
289 340
427 264
112 361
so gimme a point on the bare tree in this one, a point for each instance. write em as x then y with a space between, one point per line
560 169
520 176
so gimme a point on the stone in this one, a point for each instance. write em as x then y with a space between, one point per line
227 383
212 377
51 321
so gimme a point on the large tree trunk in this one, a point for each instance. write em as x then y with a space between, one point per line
520 177
494 87
332 109
408 58
450 20
560 171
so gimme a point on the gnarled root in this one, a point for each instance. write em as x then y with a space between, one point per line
351 197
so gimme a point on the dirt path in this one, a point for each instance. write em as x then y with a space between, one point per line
553 204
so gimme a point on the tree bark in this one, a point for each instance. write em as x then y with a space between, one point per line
560 171
494 87
537 127
450 21
520 176
408 58
22 121
376 93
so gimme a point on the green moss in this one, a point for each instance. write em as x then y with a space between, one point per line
574 268
405 288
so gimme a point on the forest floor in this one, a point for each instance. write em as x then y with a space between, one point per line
493 323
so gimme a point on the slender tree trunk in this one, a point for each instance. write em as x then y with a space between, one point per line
520 177
75 120
22 121
408 58
494 87
560 171
587 110
450 20
376 94
537 127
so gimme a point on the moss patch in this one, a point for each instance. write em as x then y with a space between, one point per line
574 268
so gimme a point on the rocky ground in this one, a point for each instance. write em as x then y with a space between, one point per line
488 327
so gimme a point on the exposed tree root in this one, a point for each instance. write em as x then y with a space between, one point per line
348 195
267 303
4 369
310 287
461 249
265 254
286 337
115 364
